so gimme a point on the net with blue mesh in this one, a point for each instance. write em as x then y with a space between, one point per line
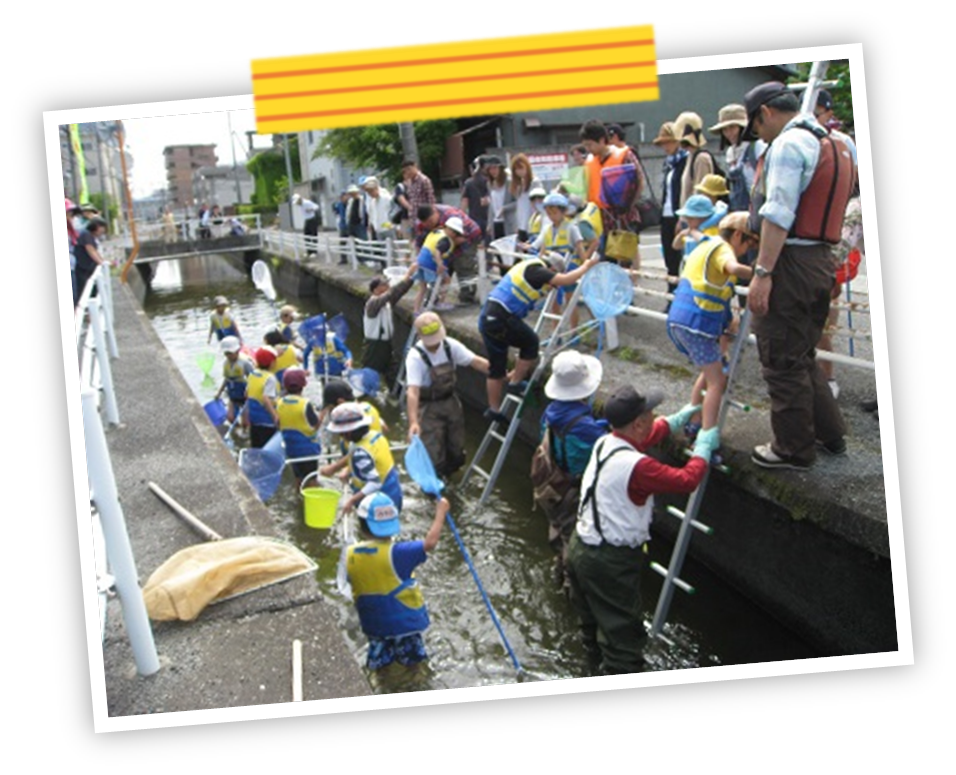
263 467
607 290
421 469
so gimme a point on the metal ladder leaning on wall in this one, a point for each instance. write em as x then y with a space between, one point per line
512 405
688 516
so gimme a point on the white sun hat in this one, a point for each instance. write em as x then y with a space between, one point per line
573 376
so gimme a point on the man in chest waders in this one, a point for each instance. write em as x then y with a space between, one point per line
434 411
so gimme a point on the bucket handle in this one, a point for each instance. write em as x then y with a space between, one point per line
318 479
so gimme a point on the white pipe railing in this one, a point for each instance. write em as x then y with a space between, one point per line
96 340
116 539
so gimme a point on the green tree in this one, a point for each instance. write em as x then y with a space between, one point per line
379 147
842 94
269 172
105 204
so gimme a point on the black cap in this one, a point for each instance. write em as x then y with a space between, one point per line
626 404
615 129
825 100
492 160
755 98
336 391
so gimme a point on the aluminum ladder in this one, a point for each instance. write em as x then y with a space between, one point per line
512 405
688 516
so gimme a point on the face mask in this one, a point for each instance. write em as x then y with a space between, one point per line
570 211
539 207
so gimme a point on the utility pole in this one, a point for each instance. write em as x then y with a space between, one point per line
235 172
288 172
406 133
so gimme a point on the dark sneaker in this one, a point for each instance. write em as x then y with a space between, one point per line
869 406
835 448
492 416
517 388
765 457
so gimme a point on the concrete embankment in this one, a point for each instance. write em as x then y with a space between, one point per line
238 652
810 547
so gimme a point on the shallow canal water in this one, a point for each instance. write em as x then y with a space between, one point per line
506 539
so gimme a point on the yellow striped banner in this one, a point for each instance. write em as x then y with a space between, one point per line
451 80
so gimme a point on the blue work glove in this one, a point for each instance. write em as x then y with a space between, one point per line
707 442
679 419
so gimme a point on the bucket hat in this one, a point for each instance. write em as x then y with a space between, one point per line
730 115
665 134
738 221
689 128
574 376
697 206
713 185
348 417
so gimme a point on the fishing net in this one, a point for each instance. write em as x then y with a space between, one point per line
607 290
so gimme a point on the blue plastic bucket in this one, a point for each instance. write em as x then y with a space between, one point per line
216 411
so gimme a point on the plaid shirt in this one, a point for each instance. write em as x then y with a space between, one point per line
419 192
473 234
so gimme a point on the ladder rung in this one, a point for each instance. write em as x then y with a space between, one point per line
496 435
676 581
676 512
479 470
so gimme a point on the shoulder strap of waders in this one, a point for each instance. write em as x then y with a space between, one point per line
590 497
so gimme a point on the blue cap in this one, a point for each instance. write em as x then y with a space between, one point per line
556 200
380 514
697 206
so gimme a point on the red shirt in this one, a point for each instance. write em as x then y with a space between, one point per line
650 476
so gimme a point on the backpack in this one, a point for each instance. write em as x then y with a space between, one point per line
549 481
718 170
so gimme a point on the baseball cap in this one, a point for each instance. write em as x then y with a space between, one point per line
430 329
230 344
265 357
294 378
757 97
454 223
625 405
380 514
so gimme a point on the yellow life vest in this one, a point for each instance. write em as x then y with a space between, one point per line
291 410
286 359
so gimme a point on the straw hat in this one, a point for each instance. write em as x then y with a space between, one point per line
738 220
573 376
665 134
713 185
689 128
730 115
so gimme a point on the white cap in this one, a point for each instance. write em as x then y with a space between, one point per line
454 223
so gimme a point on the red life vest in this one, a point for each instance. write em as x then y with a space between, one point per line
823 203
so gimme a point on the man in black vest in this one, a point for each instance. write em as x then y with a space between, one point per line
802 187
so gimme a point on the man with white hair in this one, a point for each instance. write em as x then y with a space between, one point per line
310 214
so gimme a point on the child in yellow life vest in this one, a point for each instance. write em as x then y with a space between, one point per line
339 391
235 371
221 322
700 312
368 456
287 354
381 574
262 392
562 236
298 423
433 260
714 187
696 210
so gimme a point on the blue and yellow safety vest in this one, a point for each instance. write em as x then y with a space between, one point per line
387 606
223 325
702 298
591 215
376 445
255 391
514 293
297 433
234 373
434 250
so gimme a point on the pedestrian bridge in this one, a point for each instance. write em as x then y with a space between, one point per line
151 251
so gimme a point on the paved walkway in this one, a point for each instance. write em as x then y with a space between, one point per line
238 652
